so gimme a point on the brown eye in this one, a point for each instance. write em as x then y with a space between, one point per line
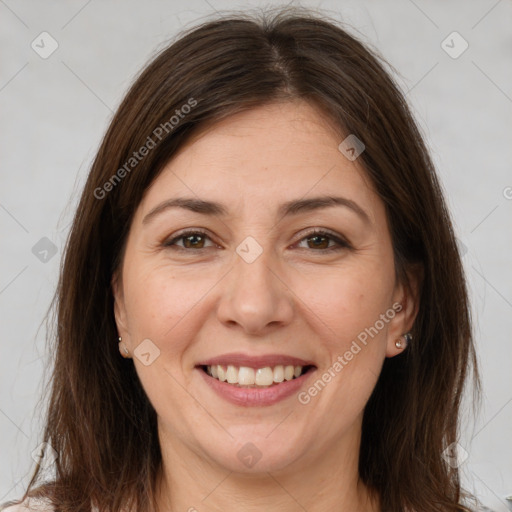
191 240
320 240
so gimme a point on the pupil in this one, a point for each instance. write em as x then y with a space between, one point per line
188 239
317 238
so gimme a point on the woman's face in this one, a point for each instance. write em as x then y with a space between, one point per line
233 282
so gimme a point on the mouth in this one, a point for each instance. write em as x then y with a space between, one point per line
259 378
251 380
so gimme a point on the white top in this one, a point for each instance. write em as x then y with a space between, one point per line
30 505
33 505
43 505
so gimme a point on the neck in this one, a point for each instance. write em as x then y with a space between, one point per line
327 482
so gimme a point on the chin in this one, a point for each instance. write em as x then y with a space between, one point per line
255 453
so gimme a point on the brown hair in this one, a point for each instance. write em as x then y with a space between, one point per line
99 420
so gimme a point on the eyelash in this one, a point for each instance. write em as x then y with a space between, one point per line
342 244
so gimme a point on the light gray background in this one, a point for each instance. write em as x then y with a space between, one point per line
55 111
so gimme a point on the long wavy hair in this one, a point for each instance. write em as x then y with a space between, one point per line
99 420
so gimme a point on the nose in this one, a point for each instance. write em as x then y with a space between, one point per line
255 296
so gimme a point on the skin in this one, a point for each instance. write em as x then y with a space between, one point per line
294 299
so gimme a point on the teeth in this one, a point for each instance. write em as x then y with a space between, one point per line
221 373
279 373
232 375
288 372
246 376
264 376
250 377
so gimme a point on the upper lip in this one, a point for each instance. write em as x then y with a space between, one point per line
239 359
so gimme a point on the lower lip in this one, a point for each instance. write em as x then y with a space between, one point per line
255 396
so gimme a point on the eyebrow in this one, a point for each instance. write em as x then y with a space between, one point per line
286 209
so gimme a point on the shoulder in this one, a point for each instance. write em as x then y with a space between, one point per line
29 505
33 505
478 508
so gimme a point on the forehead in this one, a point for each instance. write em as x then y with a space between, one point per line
267 155
290 133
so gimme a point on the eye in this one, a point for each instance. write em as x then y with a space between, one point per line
319 240
192 239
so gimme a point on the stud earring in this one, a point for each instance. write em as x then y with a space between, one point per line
122 348
407 338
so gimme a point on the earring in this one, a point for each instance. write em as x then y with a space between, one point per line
122 348
407 339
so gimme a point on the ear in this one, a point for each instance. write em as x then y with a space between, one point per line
119 307
406 294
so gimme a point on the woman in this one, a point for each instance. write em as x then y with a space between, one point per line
263 239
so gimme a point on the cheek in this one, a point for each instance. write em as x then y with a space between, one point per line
346 300
162 303
162 307
344 309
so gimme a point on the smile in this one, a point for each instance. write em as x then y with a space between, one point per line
244 376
